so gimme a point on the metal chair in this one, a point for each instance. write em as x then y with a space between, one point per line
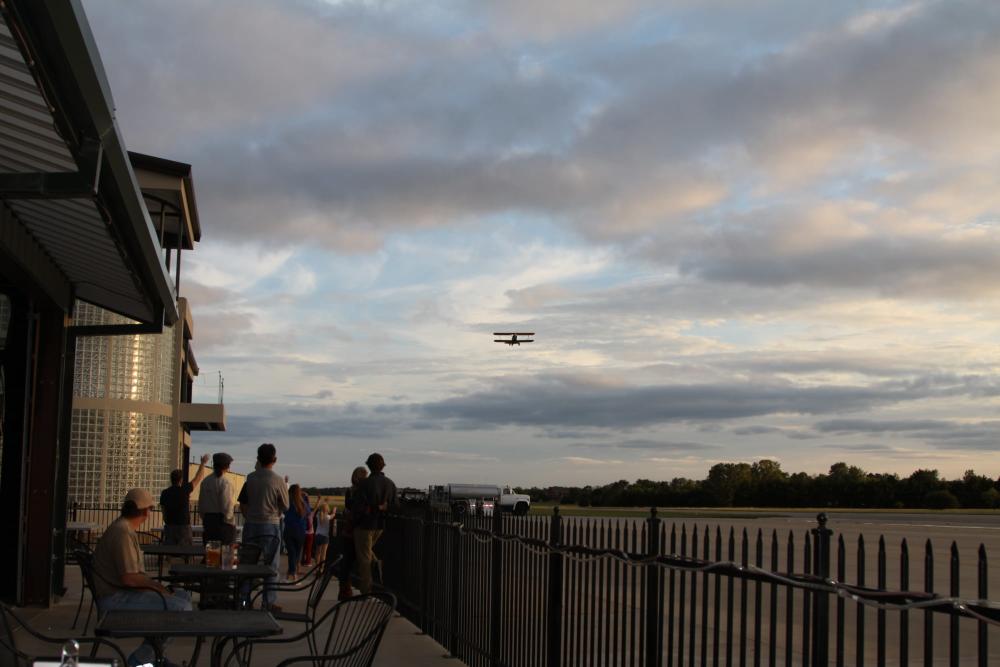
11 621
308 616
74 545
90 578
356 627
150 562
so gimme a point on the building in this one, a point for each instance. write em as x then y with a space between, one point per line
133 409
74 226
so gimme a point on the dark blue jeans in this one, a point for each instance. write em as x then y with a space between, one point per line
294 541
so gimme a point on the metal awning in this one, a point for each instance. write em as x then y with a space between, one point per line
73 215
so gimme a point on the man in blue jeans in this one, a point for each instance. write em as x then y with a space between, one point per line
122 582
263 500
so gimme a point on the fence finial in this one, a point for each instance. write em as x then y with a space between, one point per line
652 512
822 518
555 510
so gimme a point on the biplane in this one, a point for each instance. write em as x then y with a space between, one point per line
513 340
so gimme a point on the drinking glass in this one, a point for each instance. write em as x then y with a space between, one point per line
213 553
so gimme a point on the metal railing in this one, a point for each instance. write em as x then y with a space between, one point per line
103 515
551 591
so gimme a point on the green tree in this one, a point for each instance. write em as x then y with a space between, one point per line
727 482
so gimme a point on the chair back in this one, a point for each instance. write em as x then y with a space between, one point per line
11 621
91 576
319 586
85 559
150 562
356 628
8 646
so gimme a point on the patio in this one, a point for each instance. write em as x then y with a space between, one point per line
402 644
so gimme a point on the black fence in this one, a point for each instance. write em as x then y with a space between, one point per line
102 516
551 591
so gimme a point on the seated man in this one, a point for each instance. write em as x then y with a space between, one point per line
118 562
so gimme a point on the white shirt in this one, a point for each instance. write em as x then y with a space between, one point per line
215 496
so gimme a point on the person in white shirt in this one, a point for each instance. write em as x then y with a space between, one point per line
216 500
324 517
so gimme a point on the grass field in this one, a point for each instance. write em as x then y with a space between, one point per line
700 512
730 512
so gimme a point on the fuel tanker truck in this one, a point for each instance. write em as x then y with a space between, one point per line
462 500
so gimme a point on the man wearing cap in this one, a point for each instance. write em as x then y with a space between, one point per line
376 495
263 500
216 500
121 581
175 501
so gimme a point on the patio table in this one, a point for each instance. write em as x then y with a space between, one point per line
185 551
207 575
158 626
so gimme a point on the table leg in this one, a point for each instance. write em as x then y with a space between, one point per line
157 644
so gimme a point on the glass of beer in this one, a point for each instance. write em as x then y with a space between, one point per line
213 553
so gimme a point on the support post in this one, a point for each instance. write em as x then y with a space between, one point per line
553 637
456 581
652 612
45 518
497 622
821 600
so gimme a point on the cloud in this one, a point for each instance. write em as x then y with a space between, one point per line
262 421
649 445
588 401
940 434
397 116
840 248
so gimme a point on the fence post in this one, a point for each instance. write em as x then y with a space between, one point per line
497 622
425 570
821 600
555 594
653 628
456 565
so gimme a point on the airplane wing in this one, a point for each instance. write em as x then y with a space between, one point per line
502 341
524 341
525 333
503 333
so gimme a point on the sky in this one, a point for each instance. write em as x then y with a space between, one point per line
740 229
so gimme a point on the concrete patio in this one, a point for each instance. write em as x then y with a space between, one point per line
403 643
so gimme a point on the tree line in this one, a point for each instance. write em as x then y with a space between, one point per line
765 484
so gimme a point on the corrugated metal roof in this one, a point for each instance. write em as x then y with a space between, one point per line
73 232
28 138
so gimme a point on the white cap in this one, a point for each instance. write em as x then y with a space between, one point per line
141 498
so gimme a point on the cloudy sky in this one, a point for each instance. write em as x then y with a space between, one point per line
740 229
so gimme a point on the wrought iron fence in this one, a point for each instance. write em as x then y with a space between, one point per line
101 516
551 591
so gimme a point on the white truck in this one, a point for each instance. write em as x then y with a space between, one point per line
518 503
477 499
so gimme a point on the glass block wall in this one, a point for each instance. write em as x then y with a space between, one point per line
113 450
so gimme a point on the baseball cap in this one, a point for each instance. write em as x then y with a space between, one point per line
221 460
141 498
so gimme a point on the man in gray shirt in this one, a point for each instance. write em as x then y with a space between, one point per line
263 499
